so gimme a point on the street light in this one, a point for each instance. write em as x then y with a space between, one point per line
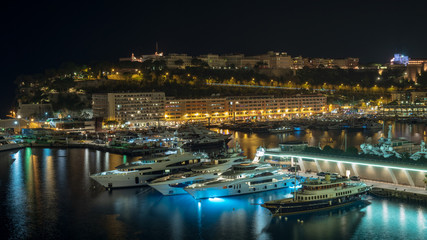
19 125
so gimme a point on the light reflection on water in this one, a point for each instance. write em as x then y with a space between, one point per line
48 192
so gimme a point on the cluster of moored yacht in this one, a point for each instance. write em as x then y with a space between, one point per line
197 174
229 175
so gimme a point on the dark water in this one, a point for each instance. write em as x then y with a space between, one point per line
47 194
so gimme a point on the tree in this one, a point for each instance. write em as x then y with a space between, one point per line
199 63
179 63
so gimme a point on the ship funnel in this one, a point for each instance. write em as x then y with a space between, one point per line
328 177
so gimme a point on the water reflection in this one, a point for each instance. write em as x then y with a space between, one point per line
333 138
48 192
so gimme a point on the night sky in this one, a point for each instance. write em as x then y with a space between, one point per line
36 36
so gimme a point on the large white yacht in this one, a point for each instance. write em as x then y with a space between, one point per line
140 172
174 184
243 179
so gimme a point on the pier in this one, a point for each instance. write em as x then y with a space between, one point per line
392 172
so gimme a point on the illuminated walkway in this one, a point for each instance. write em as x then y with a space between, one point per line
391 173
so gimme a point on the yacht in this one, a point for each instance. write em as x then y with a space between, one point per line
242 179
174 184
8 143
283 129
319 194
140 172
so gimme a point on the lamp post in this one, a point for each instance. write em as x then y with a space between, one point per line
19 125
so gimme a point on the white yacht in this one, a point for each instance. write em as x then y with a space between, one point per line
140 172
8 143
174 184
243 179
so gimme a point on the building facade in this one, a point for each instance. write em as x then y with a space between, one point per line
243 108
415 68
140 109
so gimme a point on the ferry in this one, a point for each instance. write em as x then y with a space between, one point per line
138 173
319 194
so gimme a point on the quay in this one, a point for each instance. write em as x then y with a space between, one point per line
403 180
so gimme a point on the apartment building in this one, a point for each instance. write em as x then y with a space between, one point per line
139 109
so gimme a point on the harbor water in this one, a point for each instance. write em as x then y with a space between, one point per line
48 194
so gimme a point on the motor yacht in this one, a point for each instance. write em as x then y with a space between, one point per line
319 194
243 179
174 184
138 173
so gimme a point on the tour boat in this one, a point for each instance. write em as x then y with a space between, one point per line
319 194
140 172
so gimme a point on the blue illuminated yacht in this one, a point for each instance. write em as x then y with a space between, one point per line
174 184
138 173
243 179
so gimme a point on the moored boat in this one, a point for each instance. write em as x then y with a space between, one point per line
317 194
174 184
139 173
243 179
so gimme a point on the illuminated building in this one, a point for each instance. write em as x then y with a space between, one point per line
399 59
213 60
243 108
171 60
406 104
28 111
135 108
346 63
415 68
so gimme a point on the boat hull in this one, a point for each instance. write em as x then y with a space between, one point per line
124 180
307 207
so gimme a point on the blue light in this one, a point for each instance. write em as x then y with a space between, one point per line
400 59
215 199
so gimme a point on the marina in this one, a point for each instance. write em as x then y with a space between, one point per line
128 212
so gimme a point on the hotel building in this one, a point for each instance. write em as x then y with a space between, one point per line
243 108
141 109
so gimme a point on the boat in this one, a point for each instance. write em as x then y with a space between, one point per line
205 142
174 184
245 178
389 147
319 194
8 143
138 173
283 129
300 127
